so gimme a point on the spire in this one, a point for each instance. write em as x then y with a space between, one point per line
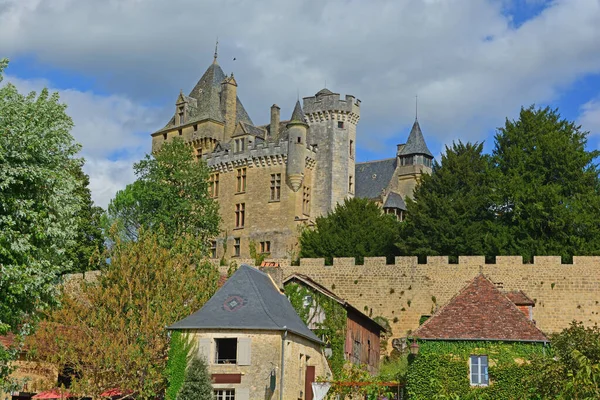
415 144
416 107
216 51
298 114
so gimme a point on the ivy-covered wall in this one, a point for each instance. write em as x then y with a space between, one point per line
179 356
441 370
332 329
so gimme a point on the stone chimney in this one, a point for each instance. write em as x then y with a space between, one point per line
229 105
274 127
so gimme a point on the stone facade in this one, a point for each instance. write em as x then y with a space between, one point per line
405 291
293 171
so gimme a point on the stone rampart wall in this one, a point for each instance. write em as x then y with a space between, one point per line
406 290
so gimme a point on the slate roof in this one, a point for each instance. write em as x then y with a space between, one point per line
298 114
204 101
322 289
415 144
324 92
480 312
248 300
373 177
394 200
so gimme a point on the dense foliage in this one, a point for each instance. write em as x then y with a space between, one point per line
171 191
197 384
537 194
180 350
441 370
38 204
357 228
112 333
310 305
575 371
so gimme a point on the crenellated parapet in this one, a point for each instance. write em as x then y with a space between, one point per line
257 155
322 108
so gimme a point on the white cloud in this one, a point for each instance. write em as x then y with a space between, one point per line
590 116
469 64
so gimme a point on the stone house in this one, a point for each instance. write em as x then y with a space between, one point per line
478 333
254 342
362 333
272 180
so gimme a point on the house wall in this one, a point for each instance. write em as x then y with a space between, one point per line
404 291
265 358
357 330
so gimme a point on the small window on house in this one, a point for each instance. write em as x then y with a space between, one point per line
352 149
224 394
341 124
479 371
213 249
265 247
236 247
306 200
368 351
195 127
356 349
226 351
241 180
213 185
350 185
199 152
240 215
307 301
299 139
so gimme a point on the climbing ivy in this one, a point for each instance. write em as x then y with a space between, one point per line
332 330
179 355
441 370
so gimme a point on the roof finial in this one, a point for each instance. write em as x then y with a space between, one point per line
416 107
298 94
216 48
325 83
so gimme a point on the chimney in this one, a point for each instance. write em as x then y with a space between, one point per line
229 105
274 127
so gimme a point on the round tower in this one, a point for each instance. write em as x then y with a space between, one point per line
297 128
332 123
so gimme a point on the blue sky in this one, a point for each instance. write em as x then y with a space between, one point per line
119 65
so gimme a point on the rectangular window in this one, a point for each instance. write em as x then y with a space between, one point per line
226 351
240 215
213 249
350 185
240 145
351 149
199 152
224 394
275 187
341 124
241 180
236 247
195 127
181 115
265 247
164 136
479 371
306 200
213 185
180 132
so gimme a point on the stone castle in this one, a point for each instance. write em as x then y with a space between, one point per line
272 180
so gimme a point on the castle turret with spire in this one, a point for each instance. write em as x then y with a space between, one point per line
271 180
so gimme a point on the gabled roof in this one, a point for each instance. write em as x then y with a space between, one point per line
480 312
520 298
415 143
248 300
394 200
373 177
305 280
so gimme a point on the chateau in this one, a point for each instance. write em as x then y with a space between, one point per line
273 180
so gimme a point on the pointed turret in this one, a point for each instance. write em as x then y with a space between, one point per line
297 129
415 143
297 115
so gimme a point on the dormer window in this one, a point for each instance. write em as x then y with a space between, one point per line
239 145
181 115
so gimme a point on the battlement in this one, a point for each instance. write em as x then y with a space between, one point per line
257 154
331 103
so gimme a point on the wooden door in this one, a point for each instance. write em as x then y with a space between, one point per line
310 378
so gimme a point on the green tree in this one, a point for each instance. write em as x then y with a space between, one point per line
171 191
548 189
453 212
38 201
197 384
111 333
90 238
357 228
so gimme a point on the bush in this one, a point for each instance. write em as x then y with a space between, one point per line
197 384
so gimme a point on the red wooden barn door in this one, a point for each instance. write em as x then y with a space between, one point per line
310 378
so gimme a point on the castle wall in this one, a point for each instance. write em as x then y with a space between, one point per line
406 290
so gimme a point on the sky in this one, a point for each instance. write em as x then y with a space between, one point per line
119 65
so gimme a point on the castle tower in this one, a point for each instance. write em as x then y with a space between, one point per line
332 123
229 105
414 160
297 128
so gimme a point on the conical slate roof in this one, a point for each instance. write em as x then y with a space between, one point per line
298 114
415 143
207 92
480 312
248 300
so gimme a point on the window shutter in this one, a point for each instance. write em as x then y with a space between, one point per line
204 349
244 351
242 394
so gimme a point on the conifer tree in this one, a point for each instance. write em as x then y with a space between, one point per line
197 384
